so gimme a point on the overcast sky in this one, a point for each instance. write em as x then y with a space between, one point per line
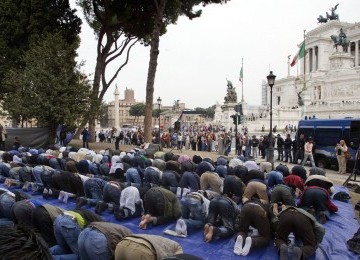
196 57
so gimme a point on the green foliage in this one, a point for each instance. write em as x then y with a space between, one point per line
209 112
24 21
137 110
49 88
141 17
157 112
103 115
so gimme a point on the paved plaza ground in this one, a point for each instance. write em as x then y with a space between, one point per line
338 179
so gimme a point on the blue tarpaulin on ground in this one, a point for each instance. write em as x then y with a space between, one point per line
339 228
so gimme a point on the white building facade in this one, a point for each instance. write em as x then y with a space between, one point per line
329 88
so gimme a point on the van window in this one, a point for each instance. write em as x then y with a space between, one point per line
307 132
327 136
351 141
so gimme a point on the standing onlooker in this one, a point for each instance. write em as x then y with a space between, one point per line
62 135
85 137
117 137
187 141
280 147
287 148
221 144
340 149
102 136
254 146
308 152
179 140
261 147
300 148
247 145
227 141
238 144
3 136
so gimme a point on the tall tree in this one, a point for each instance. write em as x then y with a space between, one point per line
23 21
137 110
114 42
49 88
155 16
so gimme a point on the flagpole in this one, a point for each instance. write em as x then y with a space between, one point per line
242 80
297 69
288 65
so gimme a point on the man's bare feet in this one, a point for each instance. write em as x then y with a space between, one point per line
209 234
145 219
275 209
206 229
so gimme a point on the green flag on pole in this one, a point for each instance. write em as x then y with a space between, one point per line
299 55
241 74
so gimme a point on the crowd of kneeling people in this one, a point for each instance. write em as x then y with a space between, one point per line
226 198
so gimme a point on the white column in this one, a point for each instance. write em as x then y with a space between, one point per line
307 65
356 53
313 60
116 108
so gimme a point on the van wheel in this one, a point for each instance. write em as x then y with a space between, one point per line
322 163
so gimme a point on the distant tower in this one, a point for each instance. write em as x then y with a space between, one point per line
116 108
129 95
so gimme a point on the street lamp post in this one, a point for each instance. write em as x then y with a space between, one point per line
159 104
270 158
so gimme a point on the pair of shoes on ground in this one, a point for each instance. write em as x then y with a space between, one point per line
181 227
64 196
181 192
47 193
240 248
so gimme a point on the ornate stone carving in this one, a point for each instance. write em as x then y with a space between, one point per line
231 96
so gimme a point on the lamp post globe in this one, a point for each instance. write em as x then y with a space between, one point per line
159 105
270 156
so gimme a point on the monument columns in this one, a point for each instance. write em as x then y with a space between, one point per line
116 108
313 59
356 53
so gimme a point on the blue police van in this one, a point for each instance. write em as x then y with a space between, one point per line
326 133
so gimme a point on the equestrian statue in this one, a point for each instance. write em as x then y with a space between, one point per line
341 40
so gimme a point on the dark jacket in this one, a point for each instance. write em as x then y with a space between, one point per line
287 143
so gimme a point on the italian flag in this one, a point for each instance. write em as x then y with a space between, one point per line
299 55
241 74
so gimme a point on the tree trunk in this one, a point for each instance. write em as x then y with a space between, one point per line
52 132
92 130
80 128
154 53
